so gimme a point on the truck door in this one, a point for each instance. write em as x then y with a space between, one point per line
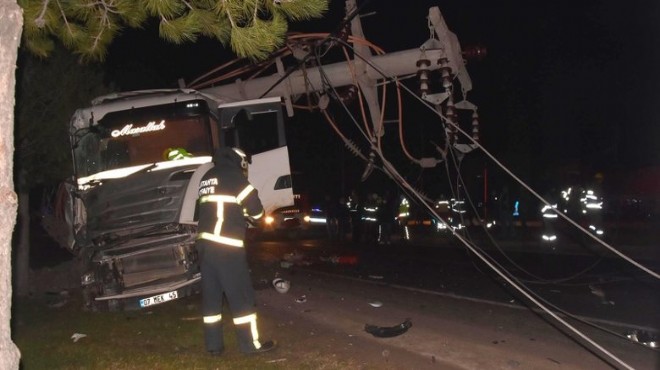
257 127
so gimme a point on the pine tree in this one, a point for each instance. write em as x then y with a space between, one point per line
252 28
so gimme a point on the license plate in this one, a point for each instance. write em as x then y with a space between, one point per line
157 299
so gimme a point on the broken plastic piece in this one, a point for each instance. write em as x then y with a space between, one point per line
376 303
77 336
388 332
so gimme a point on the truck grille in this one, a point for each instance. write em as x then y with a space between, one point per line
167 264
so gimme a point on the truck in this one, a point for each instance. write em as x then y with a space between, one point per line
131 209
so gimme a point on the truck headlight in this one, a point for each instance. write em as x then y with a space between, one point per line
269 220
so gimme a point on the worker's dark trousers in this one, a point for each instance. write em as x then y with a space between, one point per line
225 272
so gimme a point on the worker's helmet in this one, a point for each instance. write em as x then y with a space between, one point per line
245 159
281 285
172 154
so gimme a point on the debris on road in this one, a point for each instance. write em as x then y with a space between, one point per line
77 336
276 360
295 258
59 304
600 293
644 338
388 332
281 285
341 260
301 299
376 304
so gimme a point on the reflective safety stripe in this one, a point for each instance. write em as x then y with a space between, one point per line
221 239
244 193
548 211
260 215
218 199
220 209
252 320
212 319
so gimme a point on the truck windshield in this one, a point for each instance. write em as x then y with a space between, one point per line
144 135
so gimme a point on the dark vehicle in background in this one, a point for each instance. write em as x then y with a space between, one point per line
298 220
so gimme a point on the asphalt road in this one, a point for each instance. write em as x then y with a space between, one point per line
605 292
464 316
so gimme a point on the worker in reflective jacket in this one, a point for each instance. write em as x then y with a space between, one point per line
549 216
226 199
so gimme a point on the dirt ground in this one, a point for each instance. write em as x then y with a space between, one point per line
323 317
305 333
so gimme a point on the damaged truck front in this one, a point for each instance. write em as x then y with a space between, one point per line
130 207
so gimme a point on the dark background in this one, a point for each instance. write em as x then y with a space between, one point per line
568 88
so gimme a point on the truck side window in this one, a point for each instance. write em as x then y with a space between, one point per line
257 132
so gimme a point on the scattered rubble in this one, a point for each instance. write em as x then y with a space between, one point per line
376 304
643 337
388 332
77 336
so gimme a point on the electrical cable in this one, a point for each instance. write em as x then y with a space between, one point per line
498 247
389 169
493 264
510 279
516 178
342 25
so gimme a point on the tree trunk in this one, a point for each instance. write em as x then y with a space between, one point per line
22 263
11 25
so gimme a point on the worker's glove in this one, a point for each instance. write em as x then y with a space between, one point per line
252 222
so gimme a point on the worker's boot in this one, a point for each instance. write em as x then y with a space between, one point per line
213 338
248 336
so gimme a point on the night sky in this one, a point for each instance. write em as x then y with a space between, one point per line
565 84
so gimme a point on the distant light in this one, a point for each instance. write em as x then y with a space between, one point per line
317 220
